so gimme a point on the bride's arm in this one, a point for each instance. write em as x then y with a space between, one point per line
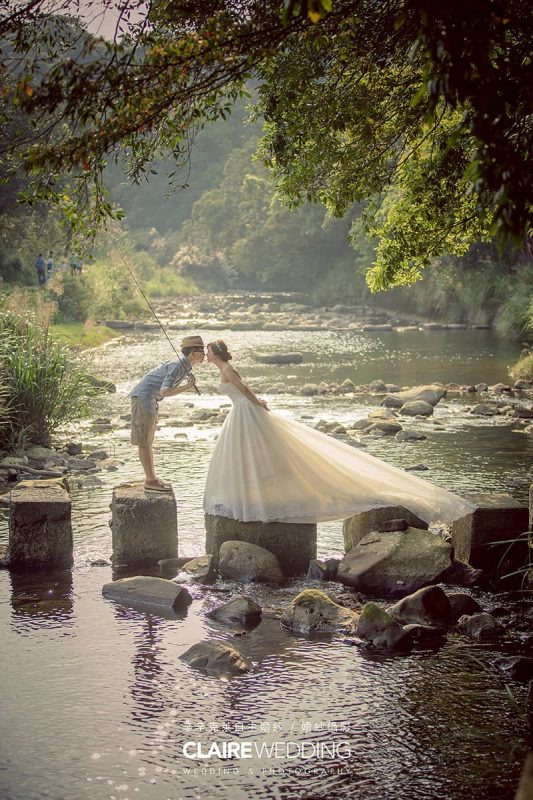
231 376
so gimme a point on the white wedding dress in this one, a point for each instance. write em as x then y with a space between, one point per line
271 469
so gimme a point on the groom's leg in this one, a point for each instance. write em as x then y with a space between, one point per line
146 457
143 425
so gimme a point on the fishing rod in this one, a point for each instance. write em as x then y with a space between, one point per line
139 287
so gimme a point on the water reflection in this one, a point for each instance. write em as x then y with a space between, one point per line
41 600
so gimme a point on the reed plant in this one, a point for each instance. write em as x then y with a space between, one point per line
42 384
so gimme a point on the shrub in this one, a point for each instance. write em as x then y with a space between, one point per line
523 369
43 386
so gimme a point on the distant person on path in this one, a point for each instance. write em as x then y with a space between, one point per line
50 265
40 266
163 381
79 265
73 265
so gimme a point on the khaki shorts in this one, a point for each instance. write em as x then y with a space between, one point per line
143 424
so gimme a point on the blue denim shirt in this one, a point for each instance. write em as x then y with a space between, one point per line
169 374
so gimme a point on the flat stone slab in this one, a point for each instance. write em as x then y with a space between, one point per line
144 525
383 564
294 545
498 517
40 528
148 590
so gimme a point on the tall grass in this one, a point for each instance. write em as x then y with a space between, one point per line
41 384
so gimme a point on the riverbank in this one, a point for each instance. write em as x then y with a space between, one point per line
82 336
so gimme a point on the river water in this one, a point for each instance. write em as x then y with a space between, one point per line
95 702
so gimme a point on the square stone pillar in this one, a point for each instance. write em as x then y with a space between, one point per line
498 517
294 544
40 527
357 526
144 525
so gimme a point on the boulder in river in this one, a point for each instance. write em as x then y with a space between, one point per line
279 358
386 564
479 626
377 387
313 611
217 658
462 603
242 561
484 410
242 611
415 408
516 668
147 590
387 427
426 606
409 435
357 526
201 569
430 393
376 626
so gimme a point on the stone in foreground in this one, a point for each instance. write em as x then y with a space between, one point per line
201 569
292 543
218 658
144 525
479 626
40 528
242 561
313 611
385 564
148 590
239 611
498 517
357 526
427 606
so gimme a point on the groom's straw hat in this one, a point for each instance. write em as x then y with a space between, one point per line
192 341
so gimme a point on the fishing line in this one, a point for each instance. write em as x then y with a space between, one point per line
139 287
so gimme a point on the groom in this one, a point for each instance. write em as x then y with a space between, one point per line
163 381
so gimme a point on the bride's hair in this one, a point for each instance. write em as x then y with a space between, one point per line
220 349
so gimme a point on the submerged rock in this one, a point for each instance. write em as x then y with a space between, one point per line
202 568
517 668
462 604
218 658
381 630
313 611
279 358
479 626
239 611
427 606
425 635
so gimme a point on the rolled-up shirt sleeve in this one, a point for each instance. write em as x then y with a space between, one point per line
174 374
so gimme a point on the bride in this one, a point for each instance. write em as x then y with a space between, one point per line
270 469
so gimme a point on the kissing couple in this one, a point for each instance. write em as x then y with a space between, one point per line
267 468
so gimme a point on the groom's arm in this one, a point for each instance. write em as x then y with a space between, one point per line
170 392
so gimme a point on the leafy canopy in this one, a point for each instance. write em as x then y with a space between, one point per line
421 106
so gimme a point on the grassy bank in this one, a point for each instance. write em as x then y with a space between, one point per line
42 384
82 336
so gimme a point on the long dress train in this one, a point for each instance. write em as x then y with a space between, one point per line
270 469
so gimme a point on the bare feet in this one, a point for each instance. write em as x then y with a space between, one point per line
157 485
